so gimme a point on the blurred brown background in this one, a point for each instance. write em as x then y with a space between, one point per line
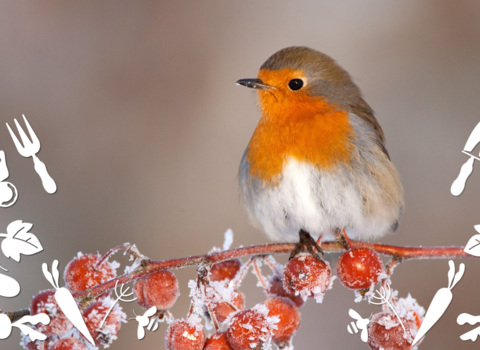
143 128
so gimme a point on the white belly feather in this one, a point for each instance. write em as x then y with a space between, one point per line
317 202
365 197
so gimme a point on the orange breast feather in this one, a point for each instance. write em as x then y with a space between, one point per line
305 128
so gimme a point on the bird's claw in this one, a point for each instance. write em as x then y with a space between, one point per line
307 242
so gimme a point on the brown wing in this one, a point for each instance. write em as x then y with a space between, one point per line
365 112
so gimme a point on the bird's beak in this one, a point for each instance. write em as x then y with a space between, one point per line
254 84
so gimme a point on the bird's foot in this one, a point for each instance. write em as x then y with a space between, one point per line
306 242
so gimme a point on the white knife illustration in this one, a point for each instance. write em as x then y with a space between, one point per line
459 184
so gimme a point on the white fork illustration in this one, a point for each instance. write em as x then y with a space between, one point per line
30 149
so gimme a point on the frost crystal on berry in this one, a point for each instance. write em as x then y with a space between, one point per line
185 335
104 334
307 277
252 329
385 332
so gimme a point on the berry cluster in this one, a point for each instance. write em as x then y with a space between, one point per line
216 298
81 273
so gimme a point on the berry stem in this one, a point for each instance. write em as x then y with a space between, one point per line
131 249
270 261
16 315
260 277
403 253
349 243
242 273
209 308
389 267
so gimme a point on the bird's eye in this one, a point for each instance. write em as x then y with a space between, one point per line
295 84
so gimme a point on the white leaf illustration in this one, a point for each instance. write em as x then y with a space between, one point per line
473 246
33 334
19 241
35 319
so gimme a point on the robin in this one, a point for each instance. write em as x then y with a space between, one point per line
316 165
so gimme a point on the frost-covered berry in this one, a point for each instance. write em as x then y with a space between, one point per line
44 302
359 268
103 334
82 273
69 343
276 289
217 341
307 277
386 333
409 308
222 310
184 335
251 329
225 270
289 319
158 289
35 345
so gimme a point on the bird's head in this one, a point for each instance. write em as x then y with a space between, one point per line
301 80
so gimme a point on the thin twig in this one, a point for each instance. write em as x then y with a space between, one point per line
210 310
260 277
389 267
404 253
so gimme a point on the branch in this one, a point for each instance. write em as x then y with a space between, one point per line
405 253
400 253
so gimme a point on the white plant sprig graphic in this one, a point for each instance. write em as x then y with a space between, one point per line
6 326
384 295
123 293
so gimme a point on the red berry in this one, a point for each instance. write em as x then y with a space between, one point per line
386 333
225 270
103 334
222 310
181 335
359 268
69 343
159 289
289 321
82 273
217 341
44 302
307 277
35 345
250 329
276 289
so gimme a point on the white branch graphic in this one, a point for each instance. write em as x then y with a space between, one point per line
123 293
384 297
